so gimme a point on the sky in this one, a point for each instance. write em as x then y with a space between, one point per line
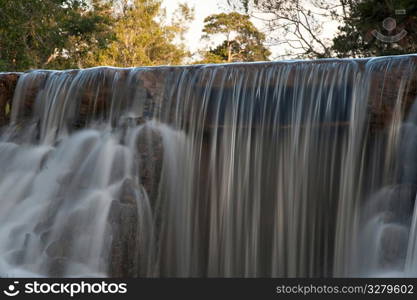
204 8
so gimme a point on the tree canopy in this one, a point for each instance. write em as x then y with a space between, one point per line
51 33
367 27
61 34
144 37
242 40
375 28
295 25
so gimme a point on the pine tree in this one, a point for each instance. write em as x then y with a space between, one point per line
243 41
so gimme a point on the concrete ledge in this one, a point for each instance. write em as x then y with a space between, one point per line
157 87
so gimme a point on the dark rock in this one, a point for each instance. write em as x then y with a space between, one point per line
393 246
58 267
8 83
150 150
16 257
128 193
57 249
123 219
30 88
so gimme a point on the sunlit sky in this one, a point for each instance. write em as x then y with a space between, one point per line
204 8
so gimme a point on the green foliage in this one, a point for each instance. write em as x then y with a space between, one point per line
356 38
51 33
62 34
243 41
297 25
144 38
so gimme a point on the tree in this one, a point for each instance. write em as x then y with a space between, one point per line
243 41
144 37
296 25
375 28
51 33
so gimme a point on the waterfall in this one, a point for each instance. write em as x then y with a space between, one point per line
285 169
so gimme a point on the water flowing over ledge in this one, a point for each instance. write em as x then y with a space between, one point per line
302 168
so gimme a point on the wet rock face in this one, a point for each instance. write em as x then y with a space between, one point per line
123 219
155 90
8 83
385 90
106 93
127 258
150 152
393 248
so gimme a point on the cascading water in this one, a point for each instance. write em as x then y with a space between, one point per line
247 170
